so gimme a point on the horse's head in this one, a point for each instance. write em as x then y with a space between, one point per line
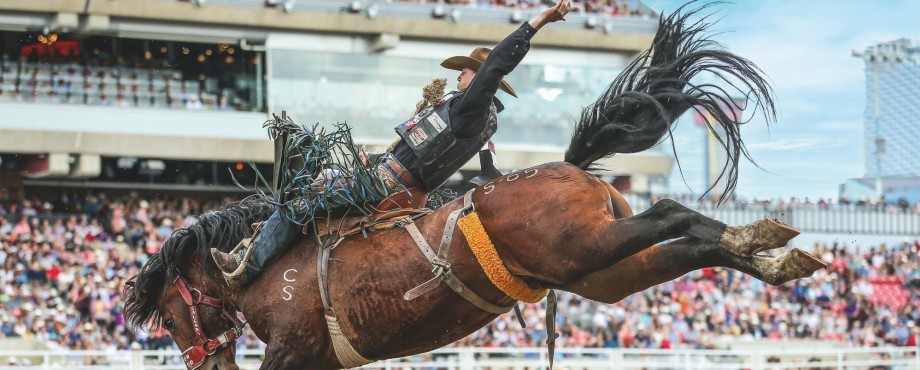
202 325
178 289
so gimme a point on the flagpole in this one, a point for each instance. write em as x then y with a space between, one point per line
713 162
705 118
709 164
708 121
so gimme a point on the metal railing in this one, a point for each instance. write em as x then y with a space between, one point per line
801 357
467 14
845 221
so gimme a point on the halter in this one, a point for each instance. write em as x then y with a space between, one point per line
202 347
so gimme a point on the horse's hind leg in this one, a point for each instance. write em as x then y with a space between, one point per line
664 262
603 241
745 240
665 220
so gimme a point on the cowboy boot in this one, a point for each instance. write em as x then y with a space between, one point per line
228 262
246 262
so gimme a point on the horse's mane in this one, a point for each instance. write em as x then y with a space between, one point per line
638 109
221 229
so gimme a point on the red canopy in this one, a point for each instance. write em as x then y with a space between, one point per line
63 48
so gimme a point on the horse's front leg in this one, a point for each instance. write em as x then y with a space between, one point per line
665 262
290 355
281 356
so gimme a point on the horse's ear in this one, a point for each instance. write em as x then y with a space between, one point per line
139 294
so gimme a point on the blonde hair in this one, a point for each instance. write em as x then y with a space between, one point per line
431 96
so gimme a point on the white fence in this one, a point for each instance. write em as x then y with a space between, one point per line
855 221
522 358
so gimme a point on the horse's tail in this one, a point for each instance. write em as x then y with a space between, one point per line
644 101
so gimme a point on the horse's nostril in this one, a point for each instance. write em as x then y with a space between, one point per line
215 367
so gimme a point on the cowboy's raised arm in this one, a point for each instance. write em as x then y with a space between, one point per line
550 15
471 108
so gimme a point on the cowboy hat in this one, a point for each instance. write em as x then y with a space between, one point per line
474 61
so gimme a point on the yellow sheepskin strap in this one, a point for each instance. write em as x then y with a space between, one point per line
488 258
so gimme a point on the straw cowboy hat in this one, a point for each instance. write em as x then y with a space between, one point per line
474 61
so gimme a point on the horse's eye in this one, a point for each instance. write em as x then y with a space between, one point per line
169 325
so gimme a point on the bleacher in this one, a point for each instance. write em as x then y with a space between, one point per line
72 83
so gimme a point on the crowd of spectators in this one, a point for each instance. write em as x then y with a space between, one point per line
608 7
64 262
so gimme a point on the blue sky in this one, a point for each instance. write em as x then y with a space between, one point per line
804 48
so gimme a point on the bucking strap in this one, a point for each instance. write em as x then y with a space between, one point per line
442 271
347 355
492 264
344 352
322 268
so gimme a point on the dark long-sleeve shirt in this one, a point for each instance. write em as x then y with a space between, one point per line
469 112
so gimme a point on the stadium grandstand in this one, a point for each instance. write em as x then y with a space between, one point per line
121 120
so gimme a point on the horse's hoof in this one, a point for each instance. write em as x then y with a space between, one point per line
792 265
762 235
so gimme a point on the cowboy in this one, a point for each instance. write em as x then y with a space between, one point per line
434 143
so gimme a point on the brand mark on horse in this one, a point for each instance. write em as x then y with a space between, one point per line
530 172
288 287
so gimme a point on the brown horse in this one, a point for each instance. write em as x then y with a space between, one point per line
554 226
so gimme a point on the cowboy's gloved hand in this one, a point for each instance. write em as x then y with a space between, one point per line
550 15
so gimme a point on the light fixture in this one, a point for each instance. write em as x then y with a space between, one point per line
372 11
287 6
455 15
608 27
517 16
591 22
355 6
438 11
200 2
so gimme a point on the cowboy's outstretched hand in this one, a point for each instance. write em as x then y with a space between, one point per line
550 15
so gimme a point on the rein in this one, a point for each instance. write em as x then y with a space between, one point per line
202 347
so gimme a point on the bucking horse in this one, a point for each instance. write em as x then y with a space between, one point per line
423 281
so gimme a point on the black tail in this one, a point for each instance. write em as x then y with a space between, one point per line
643 102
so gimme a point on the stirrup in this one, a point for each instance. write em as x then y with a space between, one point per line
236 278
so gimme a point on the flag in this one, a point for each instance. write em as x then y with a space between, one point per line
734 111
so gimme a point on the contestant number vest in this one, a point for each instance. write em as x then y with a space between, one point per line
440 152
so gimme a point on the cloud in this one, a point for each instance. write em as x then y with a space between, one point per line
795 144
844 126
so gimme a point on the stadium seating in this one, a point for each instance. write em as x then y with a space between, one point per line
116 86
